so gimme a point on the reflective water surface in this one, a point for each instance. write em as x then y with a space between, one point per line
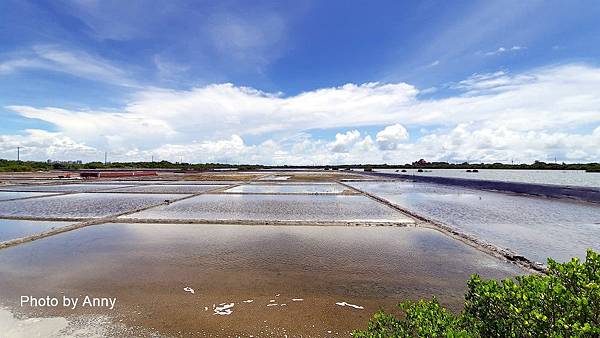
288 188
65 187
274 280
12 229
171 188
535 227
9 195
275 207
81 205
556 177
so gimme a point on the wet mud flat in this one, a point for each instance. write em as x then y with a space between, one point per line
281 280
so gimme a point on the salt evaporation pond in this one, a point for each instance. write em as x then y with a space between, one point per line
171 188
537 228
9 195
65 187
166 182
276 207
556 177
303 270
81 205
288 188
12 229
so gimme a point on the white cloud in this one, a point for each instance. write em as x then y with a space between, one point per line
391 136
343 142
468 142
502 50
434 63
249 40
496 116
73 62
41 144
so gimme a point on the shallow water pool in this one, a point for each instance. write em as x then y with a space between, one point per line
81 205
288 188
273 275
537 228
276 207
12 229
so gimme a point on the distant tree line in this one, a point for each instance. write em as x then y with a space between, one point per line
13 166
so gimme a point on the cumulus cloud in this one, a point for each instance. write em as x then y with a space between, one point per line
343 142
41 144
495 117
391 136
469 142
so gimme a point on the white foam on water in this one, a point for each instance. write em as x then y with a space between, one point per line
297 299
224 309
248 301
272 301
350 305
277 295
272 304
188 289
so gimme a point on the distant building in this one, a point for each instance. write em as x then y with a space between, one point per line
64 162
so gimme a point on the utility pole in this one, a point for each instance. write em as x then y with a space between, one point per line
18 153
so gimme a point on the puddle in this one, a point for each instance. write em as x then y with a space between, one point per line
13 229
145 267
288 188
534 227
276 207
80 205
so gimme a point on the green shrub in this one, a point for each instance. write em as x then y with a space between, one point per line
563 303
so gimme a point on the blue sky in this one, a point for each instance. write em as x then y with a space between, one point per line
301 82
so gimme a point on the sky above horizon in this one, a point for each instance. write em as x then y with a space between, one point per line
300 82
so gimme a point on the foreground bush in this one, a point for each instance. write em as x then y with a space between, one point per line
563 303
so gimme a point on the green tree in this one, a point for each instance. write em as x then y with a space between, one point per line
565 302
